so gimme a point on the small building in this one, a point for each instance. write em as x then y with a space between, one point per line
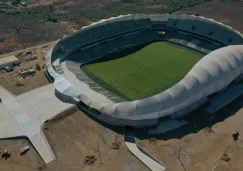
9 61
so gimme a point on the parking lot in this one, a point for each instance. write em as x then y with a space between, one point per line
29 74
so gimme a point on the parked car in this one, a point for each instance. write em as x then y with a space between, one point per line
24 150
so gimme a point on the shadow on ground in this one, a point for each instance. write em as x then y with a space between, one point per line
64 98
118 130
197 121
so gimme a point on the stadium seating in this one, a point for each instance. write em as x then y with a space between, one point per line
205 28
148 36
127 24
127 41
91 52
192 41
74 67
143 22
158 20
68 45
82 56
95 41
221 99
112 28
100 32
110 46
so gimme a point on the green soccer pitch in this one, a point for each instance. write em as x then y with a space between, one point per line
146 72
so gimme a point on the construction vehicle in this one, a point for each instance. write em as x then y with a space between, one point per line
6 154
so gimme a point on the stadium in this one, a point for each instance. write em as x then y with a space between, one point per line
144 70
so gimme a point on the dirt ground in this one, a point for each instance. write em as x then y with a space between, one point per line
9 79
198 147
229 12
74 136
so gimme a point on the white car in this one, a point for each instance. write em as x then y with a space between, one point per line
24 150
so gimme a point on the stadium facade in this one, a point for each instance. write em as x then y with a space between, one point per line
217 72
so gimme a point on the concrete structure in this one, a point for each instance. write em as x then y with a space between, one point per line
8 61
219 68
24 115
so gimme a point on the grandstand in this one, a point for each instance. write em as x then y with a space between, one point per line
115 35
82 76
109 39
220 100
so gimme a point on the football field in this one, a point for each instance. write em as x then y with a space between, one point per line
146 72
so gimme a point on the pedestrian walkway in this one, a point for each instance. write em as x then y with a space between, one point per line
130 142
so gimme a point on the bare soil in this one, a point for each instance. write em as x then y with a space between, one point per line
48 20
200 147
